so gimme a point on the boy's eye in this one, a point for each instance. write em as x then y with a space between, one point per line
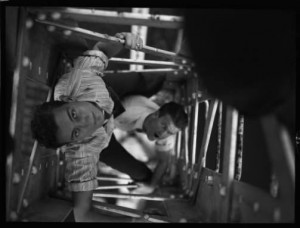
74 115
76 133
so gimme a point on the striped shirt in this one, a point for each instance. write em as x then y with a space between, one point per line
84 83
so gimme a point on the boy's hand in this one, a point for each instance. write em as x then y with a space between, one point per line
132 41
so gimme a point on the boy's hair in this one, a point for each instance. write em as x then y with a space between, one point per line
43 126
177 113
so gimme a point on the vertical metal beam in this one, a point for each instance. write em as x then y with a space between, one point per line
240 142
219 142
281 152
142 32
195 130
228 162
207 132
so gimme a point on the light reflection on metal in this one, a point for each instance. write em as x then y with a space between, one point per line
218 156
231 128
130 196
207 132
117 186
195 130
239 153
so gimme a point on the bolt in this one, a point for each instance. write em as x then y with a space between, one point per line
276 215
47 75
22 172
256 206
209 179
46 164
183 168
34 170
25 203
146 216
51 28
13 216
182 220
222 190
16 178
39 70
55 15
67 32
40 167
41 16
195 175
25 61
29 23
189 171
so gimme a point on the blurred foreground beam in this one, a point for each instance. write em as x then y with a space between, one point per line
114 17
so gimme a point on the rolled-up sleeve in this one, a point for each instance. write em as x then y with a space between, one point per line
93 60
80 169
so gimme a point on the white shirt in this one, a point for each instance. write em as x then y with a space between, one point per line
137 109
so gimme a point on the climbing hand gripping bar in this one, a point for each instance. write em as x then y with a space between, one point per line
106 38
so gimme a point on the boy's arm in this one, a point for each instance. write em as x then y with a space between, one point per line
132 41
83 211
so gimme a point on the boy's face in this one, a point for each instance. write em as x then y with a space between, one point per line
160 127
76 120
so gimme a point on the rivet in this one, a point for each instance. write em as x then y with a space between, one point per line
46 164
67 32
47 75
175 72
55 15
191 193
13 216
184 61
29 23
172 196
182 220
41 16
59 184
209 180
189 171
181 196
185 72
34 170
16 178
22 172
30 65
25 203
52 163
51 28
256 206
146 216
180 67
61 163
276 215
25 61
195 175
222 190
40 167
39 70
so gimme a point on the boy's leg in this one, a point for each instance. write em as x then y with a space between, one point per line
118 158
